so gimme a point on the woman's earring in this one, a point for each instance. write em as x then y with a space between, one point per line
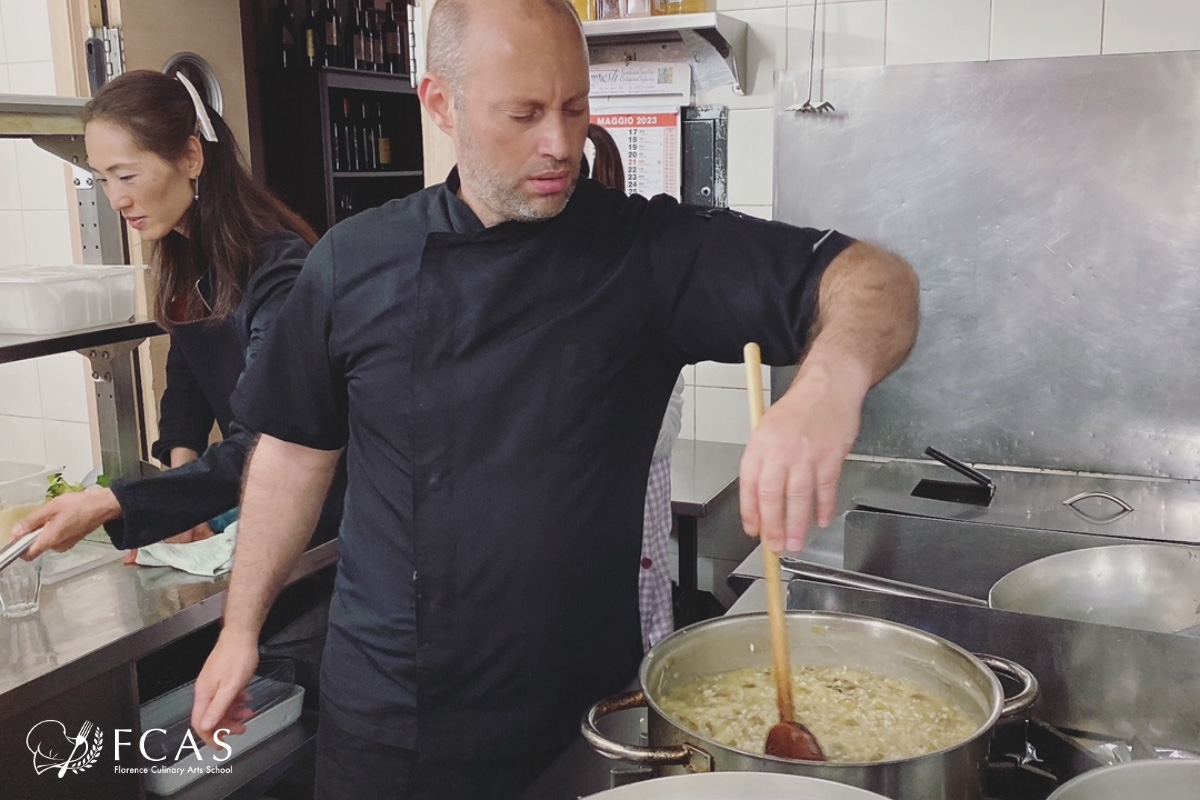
196 189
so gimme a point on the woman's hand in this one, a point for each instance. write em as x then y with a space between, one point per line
66 519
196 534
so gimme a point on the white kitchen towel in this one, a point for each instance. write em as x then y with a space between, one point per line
209 557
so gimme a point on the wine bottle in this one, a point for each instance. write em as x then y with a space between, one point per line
393 47
353 156
339 152
384 141
369 146
310 37
283 32
331 35
376 37
354 37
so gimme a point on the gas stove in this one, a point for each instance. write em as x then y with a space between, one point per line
1030 759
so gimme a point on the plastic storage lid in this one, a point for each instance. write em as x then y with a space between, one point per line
47 274
22 483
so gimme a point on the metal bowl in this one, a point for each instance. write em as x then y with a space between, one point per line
736 786
1166 779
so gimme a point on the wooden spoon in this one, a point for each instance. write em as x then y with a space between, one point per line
788 738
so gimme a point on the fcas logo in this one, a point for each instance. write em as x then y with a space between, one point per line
58 752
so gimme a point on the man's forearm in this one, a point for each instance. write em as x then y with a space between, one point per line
286 485
867 314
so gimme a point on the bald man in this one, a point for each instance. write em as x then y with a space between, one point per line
494 355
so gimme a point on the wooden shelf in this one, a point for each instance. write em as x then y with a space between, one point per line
356 80
415 173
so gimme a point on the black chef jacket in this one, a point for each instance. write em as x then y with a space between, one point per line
499 392
203 368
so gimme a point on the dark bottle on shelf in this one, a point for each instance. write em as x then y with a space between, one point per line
283 35
376 37
353 138
310 38
331 35
369 144
393 42
355 39
383 141
339 152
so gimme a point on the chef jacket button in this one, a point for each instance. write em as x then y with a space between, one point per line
647 563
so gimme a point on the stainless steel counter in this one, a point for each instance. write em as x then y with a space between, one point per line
111 615
76 659
703 474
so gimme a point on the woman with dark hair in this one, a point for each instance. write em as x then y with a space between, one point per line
225 253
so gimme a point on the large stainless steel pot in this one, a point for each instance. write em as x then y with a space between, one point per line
736 786
1151 587
1175 779
821 639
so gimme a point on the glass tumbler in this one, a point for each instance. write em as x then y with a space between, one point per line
20 587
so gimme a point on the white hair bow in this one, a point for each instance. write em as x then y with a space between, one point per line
206 126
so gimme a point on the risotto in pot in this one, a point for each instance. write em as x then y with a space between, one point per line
856 715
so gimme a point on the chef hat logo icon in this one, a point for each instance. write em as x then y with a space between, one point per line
56 751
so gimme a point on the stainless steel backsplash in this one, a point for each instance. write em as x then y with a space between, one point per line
1052 209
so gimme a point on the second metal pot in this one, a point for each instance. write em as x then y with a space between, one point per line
821 639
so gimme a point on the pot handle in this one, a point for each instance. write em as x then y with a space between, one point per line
1024 699
695 759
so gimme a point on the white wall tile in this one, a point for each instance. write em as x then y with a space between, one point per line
1046 28
22 439
69 444
26 30
726 376
751 157
687 428
41 178
4 86
1151 26
64 387
3 47
766 52
689 375
930 31
849 34
725 6
21 392
35 77
48 237
760 212
722 415
10 193
12 239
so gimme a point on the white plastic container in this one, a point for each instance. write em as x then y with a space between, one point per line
281 703
22 489
47 300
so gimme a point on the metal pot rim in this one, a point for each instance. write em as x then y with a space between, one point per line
989 676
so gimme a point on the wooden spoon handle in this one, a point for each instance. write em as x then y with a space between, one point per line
774 576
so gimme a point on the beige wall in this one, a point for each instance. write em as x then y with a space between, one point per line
157 29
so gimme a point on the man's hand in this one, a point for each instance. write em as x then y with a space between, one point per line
221 700
66 519
791 467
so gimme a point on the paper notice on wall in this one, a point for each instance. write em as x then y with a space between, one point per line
649 145
642 79
639 104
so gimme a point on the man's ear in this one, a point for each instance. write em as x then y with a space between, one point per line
436 98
